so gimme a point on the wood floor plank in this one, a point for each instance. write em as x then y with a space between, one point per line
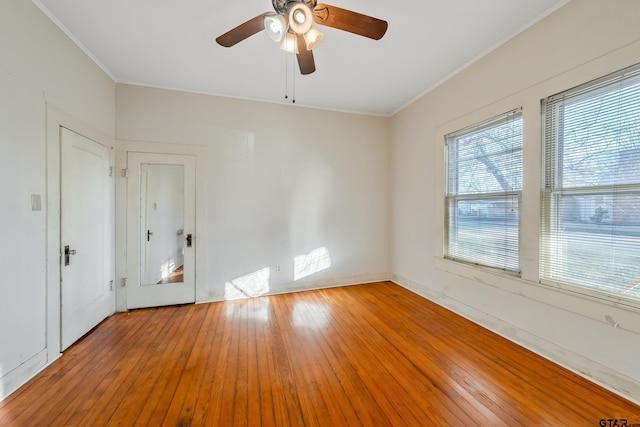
368 355
401 336
542 405
361 401
114 366
259 374
68 382
444 385
272 381
168 373
312 407
42 388
228 389
495 359
140 382
389 364
326 372
483 370
284 365
181 408
206 401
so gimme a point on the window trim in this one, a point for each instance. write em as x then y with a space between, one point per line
551 176
493 121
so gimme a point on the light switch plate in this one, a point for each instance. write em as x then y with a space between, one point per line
36 202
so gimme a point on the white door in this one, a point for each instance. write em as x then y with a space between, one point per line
160 229
86 226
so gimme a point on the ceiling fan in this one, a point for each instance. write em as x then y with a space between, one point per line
292 25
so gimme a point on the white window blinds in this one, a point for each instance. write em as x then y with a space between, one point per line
591 195
483 189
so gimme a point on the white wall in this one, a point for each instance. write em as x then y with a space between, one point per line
280 181
40 66
581 41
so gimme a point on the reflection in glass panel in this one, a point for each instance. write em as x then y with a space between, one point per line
161 224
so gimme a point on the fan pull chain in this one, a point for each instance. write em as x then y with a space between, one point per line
293 71
286 80
286 76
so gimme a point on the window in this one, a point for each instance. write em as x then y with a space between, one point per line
483 190
591 195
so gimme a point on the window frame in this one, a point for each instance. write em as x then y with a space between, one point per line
451 200
552 188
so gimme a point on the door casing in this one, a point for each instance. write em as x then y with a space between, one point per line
55 119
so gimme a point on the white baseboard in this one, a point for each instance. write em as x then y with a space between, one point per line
315 284
606 377
19 376
333 283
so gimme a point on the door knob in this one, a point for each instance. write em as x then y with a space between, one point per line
67 254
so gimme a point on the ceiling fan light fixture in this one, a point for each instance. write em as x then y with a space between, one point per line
289 43
313 37
276 27
300 18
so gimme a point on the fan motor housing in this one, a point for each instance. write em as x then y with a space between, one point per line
280 6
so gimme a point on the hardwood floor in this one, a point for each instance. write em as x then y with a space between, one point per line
373 355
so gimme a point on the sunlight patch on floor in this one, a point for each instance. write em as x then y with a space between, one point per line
310 315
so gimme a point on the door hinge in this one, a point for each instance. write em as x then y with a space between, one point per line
110 285
110 170
123 282
124 173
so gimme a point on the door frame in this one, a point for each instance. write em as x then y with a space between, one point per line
56 118
199 152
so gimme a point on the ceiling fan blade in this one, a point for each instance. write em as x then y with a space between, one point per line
350 21
305 56
243 31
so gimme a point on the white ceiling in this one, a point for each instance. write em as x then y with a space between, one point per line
170 44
